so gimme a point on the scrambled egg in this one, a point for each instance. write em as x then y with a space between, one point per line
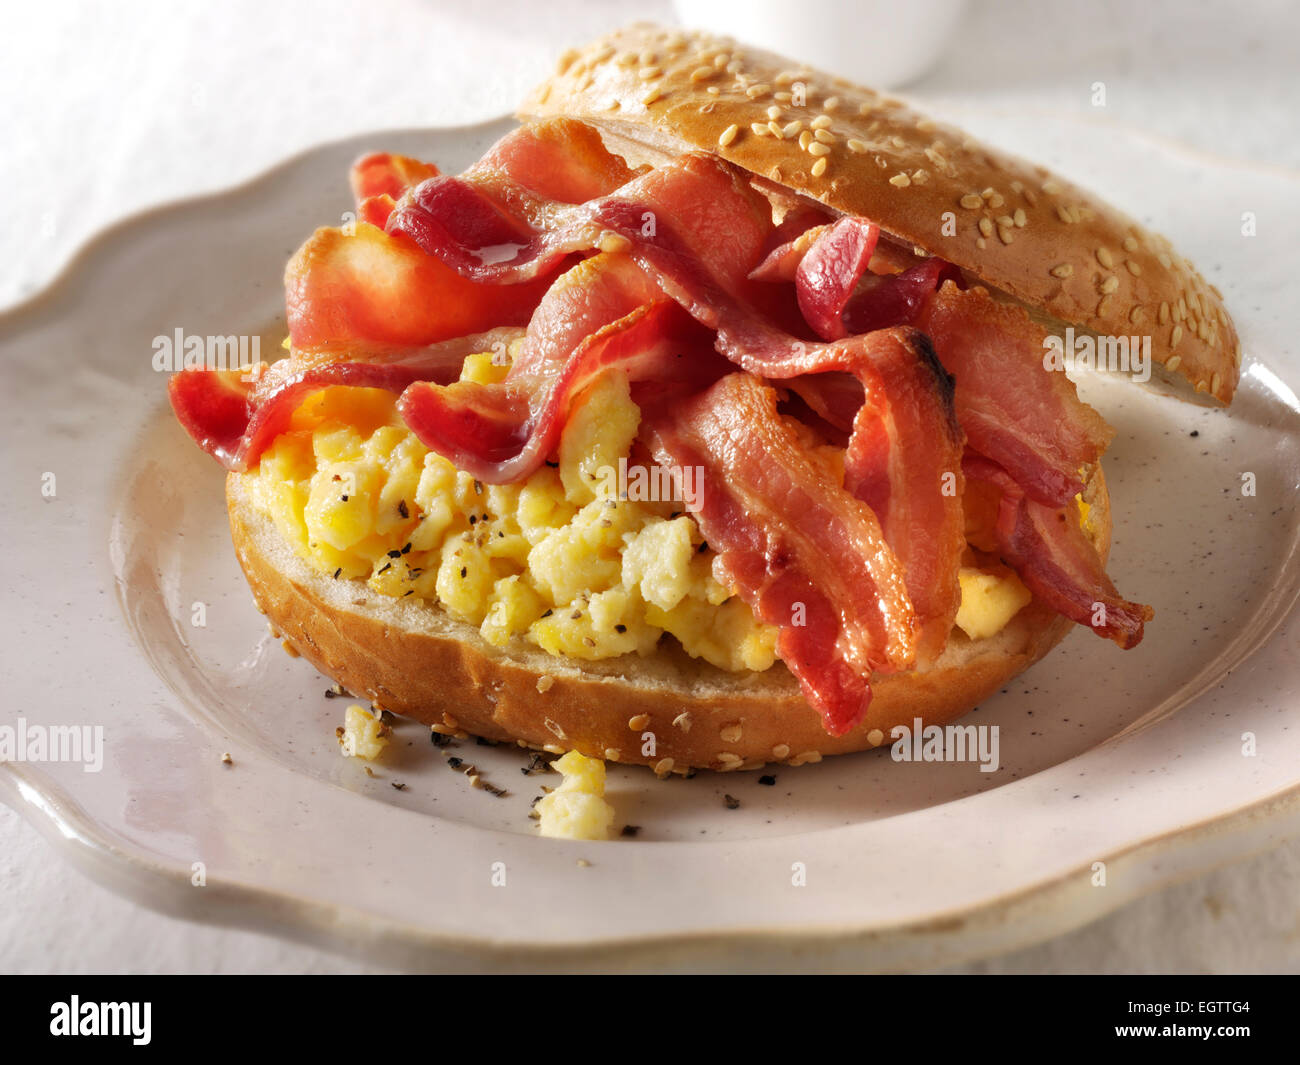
557 559
362 734
577 808
989 600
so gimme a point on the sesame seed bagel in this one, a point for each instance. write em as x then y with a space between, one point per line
1060 251
415 659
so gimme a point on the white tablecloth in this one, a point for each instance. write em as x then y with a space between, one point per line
110 108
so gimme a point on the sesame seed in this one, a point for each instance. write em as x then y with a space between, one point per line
1136 315
817 148
727 758
865 107
1176 336
1110 284
612 754
1200 386
971 201
832 102
1130 243
1165 261
811 757
1006 220
637 723
683 721
875 737
821 122
780 752
1105 258
1063 213
773 112
900 181
1182 309
1134 267
996 200
775 127
824 135
784 78
755 91
988 193
1052 188
986 227
730 733
1020 218
898 142
728 135
981 243
760 130
819 168
702 73
1062 270
1103 307
1163 316
1214 383
663 767
920 177
1174 363
856 145
805 139
651 96
650 73
712 90
782 97
792 128
1005 235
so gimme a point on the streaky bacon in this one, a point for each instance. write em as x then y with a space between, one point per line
1017 412
904 455
500 433
882 300
827 579
386 174
1050 552
234 415
370 288
830 271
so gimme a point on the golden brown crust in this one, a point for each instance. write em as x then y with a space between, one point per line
1019 228
414 659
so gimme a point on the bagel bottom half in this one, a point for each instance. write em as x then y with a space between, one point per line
413 658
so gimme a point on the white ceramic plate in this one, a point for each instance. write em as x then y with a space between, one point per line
906 864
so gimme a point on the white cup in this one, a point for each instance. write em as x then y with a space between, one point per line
878 43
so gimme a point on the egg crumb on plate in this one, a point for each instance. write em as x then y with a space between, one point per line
362 735
577 808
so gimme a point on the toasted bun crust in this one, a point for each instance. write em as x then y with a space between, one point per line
1049 244
415 659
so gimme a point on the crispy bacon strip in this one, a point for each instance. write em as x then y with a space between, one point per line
827 579
1025 417
386 174
234 415
1052 555
374 289
829 272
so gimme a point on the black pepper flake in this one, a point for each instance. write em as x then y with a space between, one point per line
620 628
463 570
410 592
536 764
1195 432
483 741
438 739
337 572
731 802
386 566
455 762
473 519
589 641
478 488
702 548
576 614
397 786
767 781
629 830
553 465
343 498
395 553
401 508
406 549
548 613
